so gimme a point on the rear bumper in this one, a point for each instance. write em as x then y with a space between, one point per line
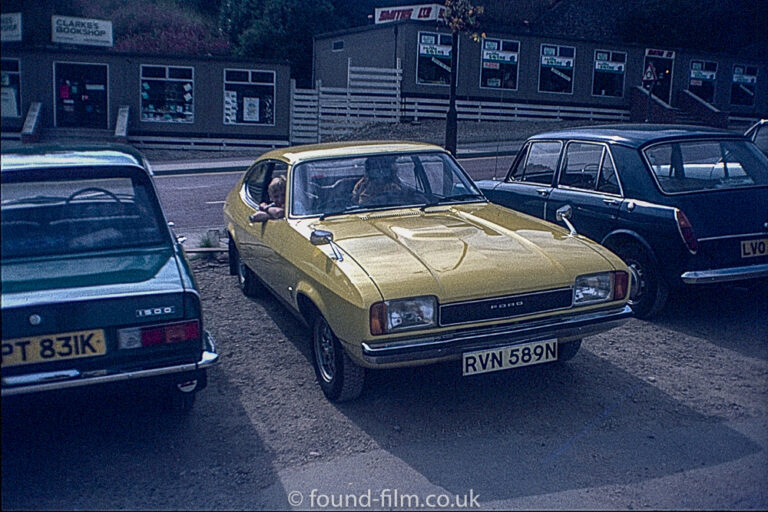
458 342
66 379
724 275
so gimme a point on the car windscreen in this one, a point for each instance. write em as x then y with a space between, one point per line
68 214
693 166
341 185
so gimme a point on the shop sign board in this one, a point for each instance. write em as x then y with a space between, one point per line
423 12
11 26
83 31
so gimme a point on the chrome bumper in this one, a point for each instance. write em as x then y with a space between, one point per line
723 275
457 342
65 379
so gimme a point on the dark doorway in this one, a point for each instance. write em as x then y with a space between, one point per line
81 95
663 62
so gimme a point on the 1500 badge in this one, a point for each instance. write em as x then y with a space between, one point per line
164 310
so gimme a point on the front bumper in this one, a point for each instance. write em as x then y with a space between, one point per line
457 342
66 379
724 275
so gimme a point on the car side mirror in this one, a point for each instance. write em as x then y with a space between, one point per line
322 237
563 214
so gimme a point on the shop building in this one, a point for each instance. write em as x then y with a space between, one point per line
83 88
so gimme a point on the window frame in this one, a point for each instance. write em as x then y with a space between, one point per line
744 73
541 65
168 67
606 150
19 108
703 63
623 72
418 57
524 162
250 72
501 42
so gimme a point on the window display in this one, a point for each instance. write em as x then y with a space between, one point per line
499 66
249 97
608 75
167 94
11 87
434 64
743 85
556 69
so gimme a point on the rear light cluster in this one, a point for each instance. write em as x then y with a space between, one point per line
152 335
686 231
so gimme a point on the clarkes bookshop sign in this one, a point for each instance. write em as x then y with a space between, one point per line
68 30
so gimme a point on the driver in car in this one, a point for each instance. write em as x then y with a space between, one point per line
380 184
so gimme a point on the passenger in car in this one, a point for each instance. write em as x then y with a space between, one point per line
275 209
380 184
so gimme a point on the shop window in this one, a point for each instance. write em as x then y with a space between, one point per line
608 75
249 97
434 63
167 94
556 69
743 85
10 76
702 79
499 64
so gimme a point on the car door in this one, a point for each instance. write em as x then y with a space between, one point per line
588 182
529 181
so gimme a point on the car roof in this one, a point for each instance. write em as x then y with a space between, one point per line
636 135
52 156
295 154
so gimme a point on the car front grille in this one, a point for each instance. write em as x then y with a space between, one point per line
505 307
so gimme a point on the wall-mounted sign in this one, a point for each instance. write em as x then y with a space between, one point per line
424 12
11 26
69 30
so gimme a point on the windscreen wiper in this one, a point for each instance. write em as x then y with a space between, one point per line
448 199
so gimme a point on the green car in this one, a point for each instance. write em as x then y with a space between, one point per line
96 291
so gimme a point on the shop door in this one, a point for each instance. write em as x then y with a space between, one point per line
81 95
663 62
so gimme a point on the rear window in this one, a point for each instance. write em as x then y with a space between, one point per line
58 217
707 165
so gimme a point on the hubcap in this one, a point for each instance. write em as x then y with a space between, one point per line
325 355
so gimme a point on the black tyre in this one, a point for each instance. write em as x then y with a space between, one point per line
179 402
568 350
649 291
339 377
234 257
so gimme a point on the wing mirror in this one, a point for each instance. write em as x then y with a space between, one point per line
564 214
322 237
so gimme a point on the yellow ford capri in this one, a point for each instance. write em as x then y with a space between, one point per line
393 257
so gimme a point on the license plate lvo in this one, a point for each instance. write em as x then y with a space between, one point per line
753 248
53 347
504 358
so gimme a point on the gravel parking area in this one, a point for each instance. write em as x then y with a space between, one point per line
665 414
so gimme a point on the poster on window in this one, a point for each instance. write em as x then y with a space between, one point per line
10 105
230 107
251 110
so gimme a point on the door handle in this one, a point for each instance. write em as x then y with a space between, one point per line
543 192
611 202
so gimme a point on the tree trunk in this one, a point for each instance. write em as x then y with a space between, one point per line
451 129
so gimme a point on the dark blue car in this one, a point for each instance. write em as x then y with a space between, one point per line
680 204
